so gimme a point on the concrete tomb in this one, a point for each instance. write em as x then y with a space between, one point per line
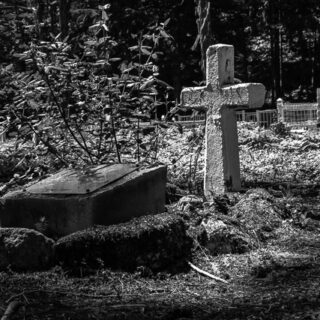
219 98
74 200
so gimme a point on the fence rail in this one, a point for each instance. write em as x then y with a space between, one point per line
263 117
292 114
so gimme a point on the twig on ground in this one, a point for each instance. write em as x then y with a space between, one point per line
12 308
205 273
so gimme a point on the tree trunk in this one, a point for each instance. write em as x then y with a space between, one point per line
53 16
40 6
277 60
276 50
316 58
64 14
39 16
204 24
273 70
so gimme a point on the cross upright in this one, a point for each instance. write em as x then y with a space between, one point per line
219 98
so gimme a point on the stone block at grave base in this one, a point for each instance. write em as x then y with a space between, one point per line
157 242
24 250
225 238
259 212
74 200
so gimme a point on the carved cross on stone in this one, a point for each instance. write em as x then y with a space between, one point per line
220 97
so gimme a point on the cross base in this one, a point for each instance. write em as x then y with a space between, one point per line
222 166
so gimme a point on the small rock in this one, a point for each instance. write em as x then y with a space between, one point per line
190 203
223 238
259 212
24 249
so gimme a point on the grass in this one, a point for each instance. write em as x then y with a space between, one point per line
277 280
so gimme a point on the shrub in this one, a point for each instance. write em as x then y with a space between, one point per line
86 107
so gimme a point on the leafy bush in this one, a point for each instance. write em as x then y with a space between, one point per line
86 108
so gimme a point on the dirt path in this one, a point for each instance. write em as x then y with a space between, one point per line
280 281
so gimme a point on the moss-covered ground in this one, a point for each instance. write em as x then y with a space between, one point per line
278 280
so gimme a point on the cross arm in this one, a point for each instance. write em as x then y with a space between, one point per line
195 98
244 94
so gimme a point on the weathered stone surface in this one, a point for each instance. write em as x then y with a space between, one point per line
23 249
75 200
156 242
223 238
190 203
259 212
219 98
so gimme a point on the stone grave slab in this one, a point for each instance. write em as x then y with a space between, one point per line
220 98
73 200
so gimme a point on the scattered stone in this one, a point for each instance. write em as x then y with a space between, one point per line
259 212
157 242
24 250
224 238
73 200
190 203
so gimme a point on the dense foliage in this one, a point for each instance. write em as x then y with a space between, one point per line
80 77
276 42
80 101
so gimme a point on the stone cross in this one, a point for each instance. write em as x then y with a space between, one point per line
219 98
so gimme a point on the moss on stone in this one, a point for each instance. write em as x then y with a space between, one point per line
154 241
24 249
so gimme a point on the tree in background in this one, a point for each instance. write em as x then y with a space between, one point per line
204 24
64 16
276 42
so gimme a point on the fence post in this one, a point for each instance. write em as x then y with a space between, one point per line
280 110
243 115
258 117
4 127
318 107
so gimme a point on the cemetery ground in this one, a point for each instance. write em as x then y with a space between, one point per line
262 243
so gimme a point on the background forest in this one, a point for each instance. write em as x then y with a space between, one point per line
79 77
276 42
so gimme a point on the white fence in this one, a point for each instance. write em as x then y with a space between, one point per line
196 118
298 114
263 117
291 114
